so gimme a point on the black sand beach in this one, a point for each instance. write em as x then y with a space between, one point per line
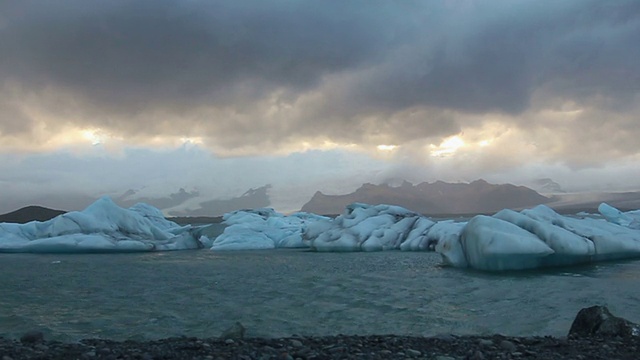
444 347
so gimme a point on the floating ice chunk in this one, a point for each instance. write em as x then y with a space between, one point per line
205 241
537 238
611 241
446 237
418 238
155 216
494 244
630 219
365 227
242 239
102 226
75 243
559 239
263 229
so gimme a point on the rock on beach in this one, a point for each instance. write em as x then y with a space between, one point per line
592 342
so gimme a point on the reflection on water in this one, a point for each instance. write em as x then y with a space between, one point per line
285 292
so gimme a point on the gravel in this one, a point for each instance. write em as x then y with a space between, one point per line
443 347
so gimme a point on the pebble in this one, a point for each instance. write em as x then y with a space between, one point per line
445 337
296 343
442 357
485 342
342 347
41 347
508 345
236 331
31 337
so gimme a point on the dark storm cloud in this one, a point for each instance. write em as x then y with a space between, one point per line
350 71
494 55
141 53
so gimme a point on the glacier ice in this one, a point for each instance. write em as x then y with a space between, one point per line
508 240
365 227
101 227
262 229
629 219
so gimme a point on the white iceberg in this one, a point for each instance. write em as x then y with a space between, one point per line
508 240
629 219
445 235
263 229
365 227
538 238
101 227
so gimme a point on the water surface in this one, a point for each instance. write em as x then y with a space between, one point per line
283 292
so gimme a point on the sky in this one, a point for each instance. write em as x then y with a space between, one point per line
216 97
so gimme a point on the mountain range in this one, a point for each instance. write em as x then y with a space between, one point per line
437 198
433 199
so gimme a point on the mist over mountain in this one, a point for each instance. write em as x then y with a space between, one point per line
437 199
547 186
251 199
433 198
129 199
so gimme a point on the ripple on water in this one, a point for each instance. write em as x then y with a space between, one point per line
284 292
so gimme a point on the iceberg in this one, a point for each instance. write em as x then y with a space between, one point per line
445 237
509 240
102 227
365 227
629 219
539 238
262 229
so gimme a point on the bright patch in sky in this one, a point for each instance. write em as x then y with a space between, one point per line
447 147
191 141
92 136
386 147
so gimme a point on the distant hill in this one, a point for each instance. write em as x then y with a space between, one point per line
438 198
30 213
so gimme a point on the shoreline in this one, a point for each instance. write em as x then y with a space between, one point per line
441 347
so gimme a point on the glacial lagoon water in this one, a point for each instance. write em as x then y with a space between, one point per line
276 293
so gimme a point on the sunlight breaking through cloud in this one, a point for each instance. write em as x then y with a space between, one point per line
447 147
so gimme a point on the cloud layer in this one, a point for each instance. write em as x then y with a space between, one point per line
515 82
